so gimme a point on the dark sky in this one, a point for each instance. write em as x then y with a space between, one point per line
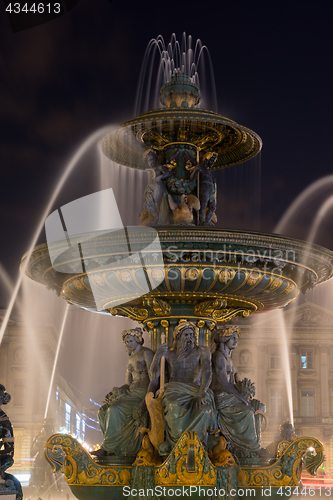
64 79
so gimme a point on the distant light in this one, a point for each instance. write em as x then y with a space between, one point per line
23 478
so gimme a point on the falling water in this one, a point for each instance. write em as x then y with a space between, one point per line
321 214
174 58
286 364
71 165
6 280
128 185
56 360
315 189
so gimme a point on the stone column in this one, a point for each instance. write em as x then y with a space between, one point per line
294 353
324 388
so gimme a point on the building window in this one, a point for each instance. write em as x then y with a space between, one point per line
275 358
276 403
78 425
307 403
83 430
306 359
68 410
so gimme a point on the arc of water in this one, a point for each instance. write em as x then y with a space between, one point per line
6 279
56 360
321 214
301 198
172 57
71 165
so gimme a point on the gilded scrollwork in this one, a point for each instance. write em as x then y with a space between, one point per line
227 314
175 471
187 464
286 471
208 307
159 306
78 466
136 313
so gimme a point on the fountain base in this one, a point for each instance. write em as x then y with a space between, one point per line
188 470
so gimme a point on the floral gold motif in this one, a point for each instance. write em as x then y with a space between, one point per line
79 285
97 278
192 274
290 288
276 282
126 276
157 274
225 275
253 278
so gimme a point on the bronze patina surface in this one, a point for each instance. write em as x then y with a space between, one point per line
181 124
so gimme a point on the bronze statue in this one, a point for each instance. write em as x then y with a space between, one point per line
187 401
207 189
8 483
123 412
287 436
235 413
154 191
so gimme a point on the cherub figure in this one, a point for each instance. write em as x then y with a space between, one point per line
183 212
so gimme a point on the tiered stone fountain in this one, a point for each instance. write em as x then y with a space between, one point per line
194 272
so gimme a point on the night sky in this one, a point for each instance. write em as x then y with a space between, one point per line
64 79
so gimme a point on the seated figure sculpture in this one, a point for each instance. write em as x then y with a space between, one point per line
123 411
235 414
187 401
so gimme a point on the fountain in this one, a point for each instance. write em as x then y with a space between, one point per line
180 277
